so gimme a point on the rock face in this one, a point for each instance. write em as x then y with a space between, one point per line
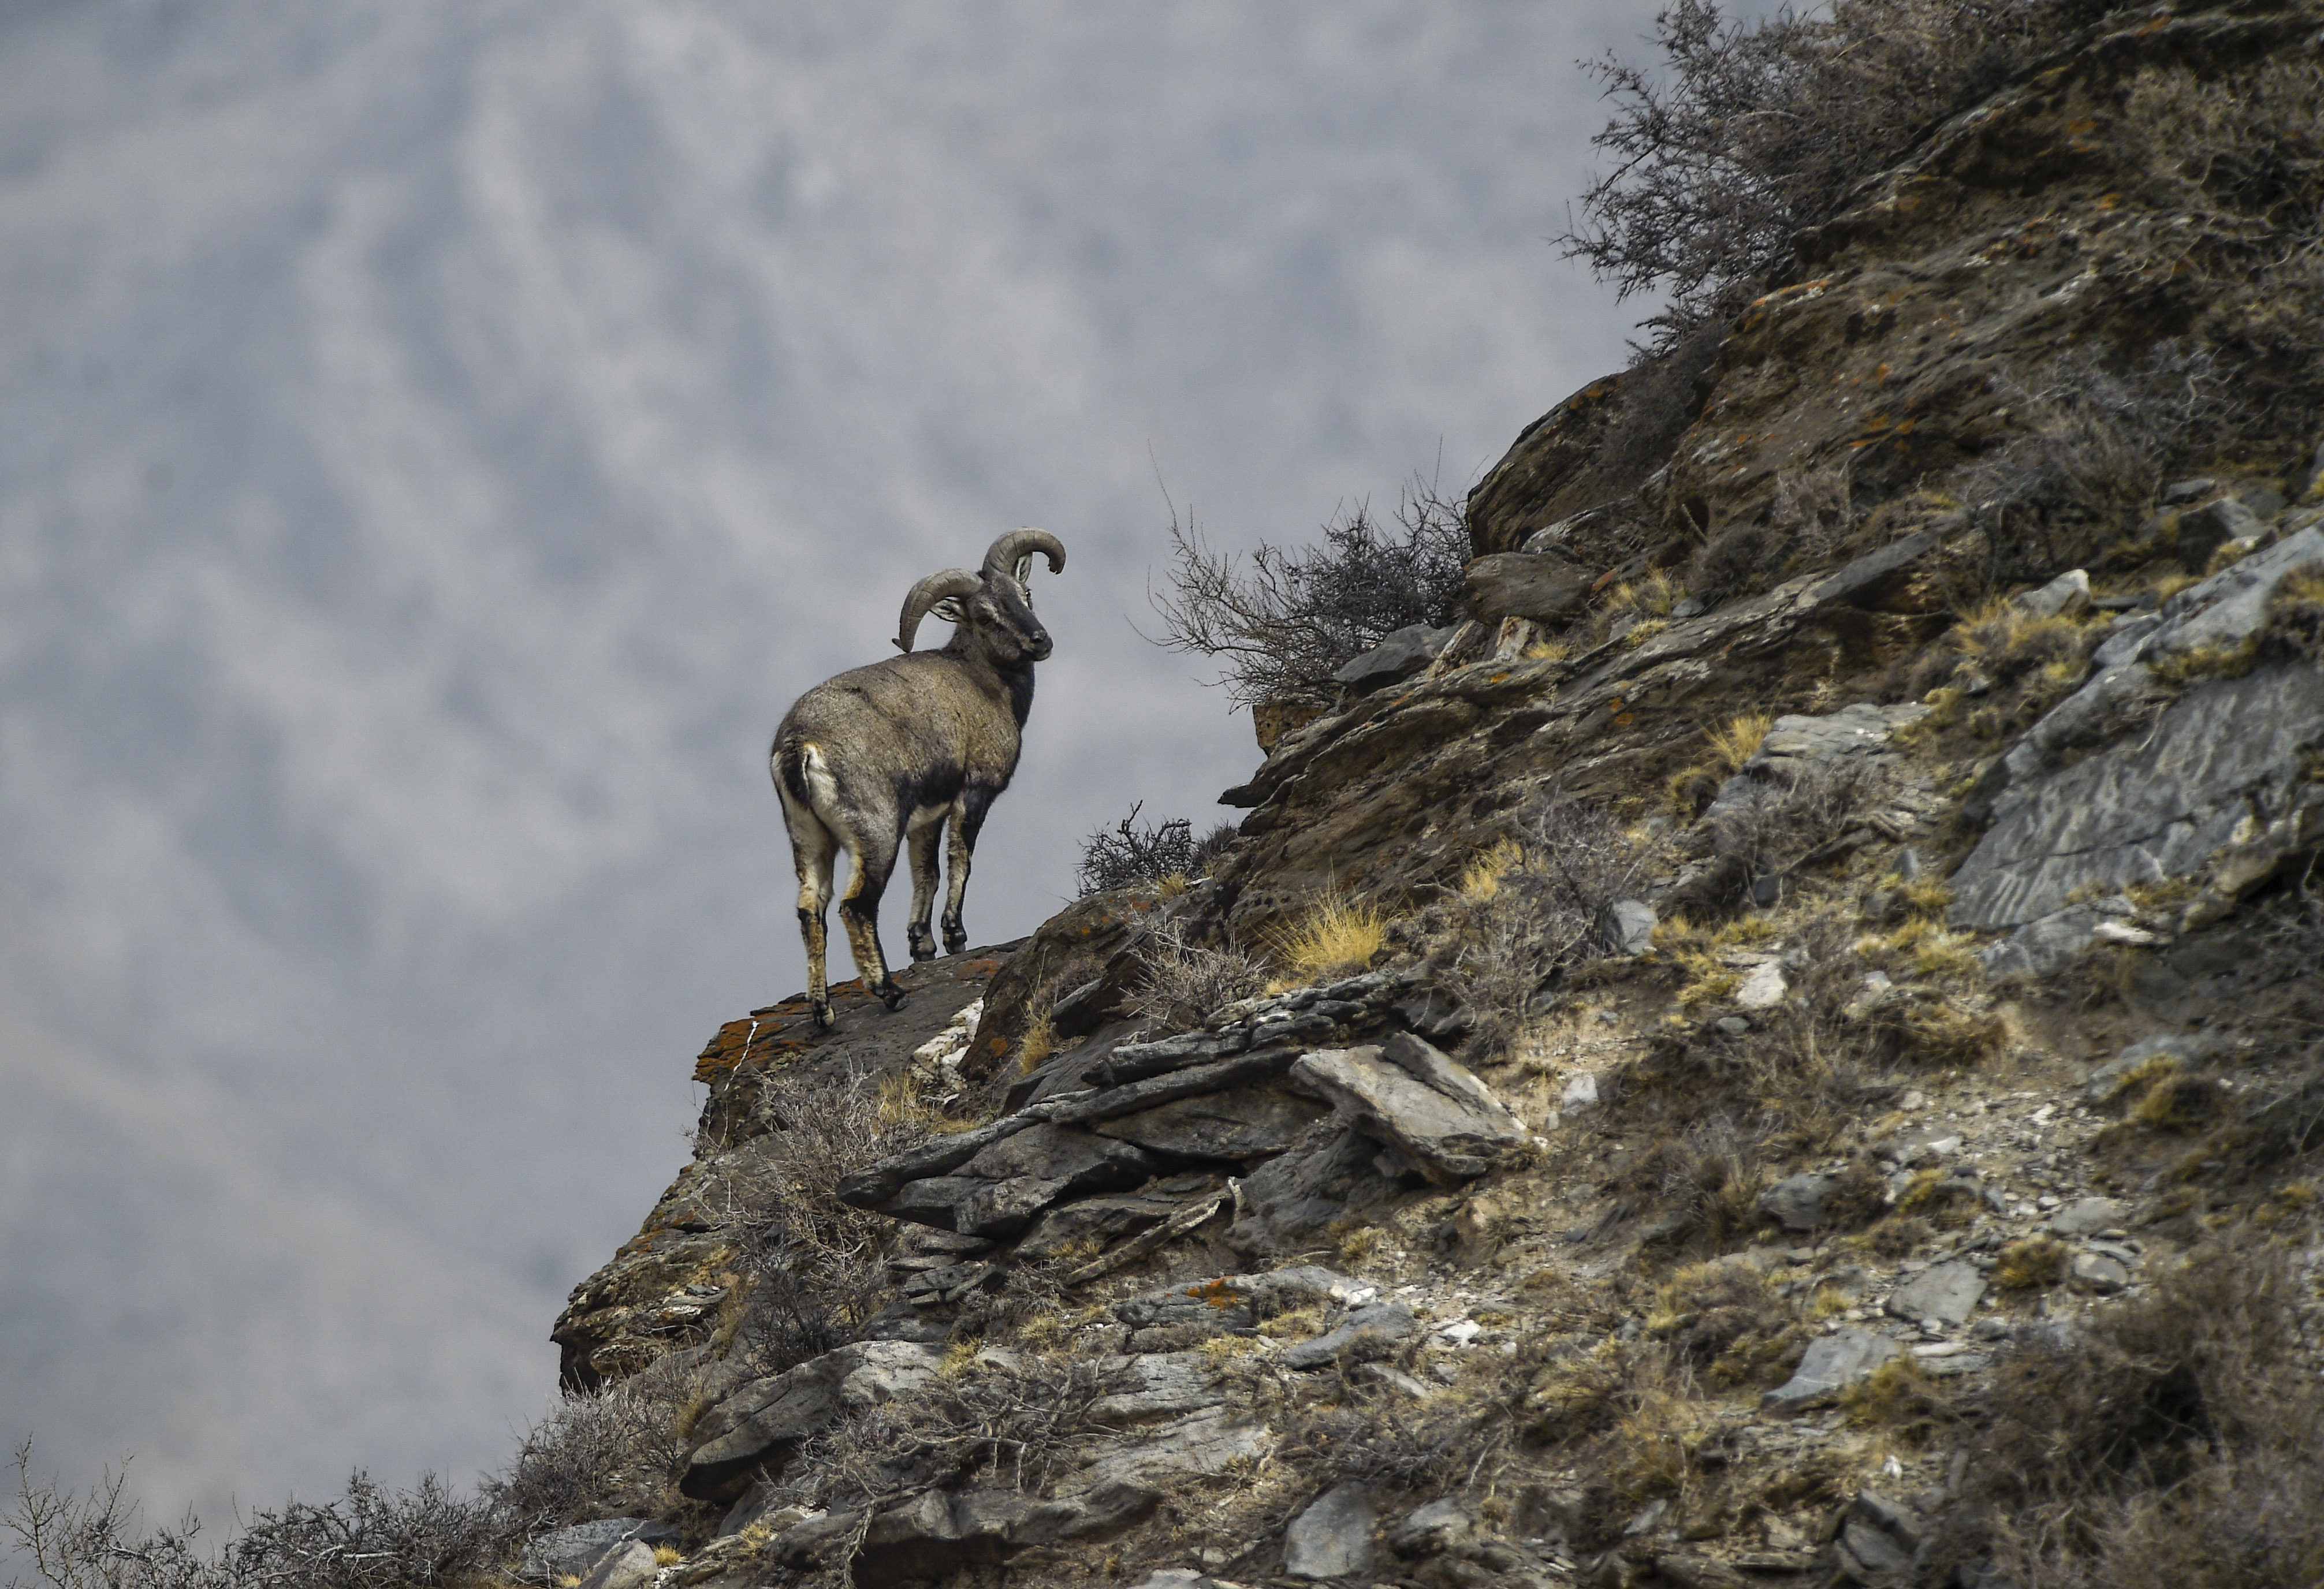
1165 1300
2119 785
662 1291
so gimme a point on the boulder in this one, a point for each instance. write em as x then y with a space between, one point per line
1409 1095
569 1552
1401 655
1433 1529
1542 586
1629 927
2100 795
1331 1537
1097 1220
1797 1202
1833 1362
2088 1215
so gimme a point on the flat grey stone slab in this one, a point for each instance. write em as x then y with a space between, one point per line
2152 804
1949 1292
627 1566
1411 1096
1333 1538
1833 1362
1372 1331
1247 1123
2088 1215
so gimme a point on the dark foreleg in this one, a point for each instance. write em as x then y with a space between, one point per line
965 818
920 844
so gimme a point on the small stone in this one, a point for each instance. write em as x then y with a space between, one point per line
1407 651
1764 988
2089 1216
1630 926
1333 1538
1797 1202
1908 866
2100 1273
1733 1026
1581 1091
1766 890
570 1552
2068 593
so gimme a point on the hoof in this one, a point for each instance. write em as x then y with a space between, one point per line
923 949
823 1021
955 943
892 996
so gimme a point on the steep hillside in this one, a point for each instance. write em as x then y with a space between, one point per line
1787 1042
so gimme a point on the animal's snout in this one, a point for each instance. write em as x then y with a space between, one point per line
1042 644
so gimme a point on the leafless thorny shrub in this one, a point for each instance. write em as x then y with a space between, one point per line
618 1451
1542 908
1297 614
1130 853
2089 445
811 1263
2166 1441
371 1537
1783 816
1750 134
1185 980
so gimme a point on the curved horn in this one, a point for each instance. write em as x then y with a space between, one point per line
1023 543
936 587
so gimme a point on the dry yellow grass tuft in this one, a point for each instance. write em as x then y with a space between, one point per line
1481 878
1737 740
2034 1265
1034 1049
1548 651
1895 1392
1336 935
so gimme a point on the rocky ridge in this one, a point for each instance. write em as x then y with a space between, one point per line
1959 1012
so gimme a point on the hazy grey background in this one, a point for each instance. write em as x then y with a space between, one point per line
437 437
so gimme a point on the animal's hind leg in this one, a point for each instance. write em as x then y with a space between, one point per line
920 844
814 848
859 912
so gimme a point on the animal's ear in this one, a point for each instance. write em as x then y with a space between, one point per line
1024 574
948 609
